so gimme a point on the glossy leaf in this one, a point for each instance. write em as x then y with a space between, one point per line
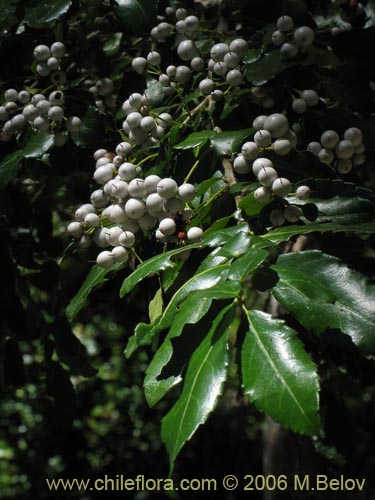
226 143
45 12
284 233
190 312
202 281
263 70
112 44
247 264
323 293
278 374
195 139
250 205
137 15
203 385
344 210
97 276
161 262
37 144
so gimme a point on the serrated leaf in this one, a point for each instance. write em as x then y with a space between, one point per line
226 143
97 276
323 293
192 310
45 12
278 374
138 16
203 385
195 139
344 210
202 281
155 308
36 145
284 233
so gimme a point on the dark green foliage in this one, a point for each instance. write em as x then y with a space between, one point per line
252 320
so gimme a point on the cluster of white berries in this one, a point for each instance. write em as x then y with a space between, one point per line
48 59
127 206
222 61
140 126
291 40
43 113
102 90
273 133
344 153
307 99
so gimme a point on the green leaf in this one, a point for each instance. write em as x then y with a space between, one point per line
112 44
278 374
195 139
97 276
155 91
323 293
161 262
343 210
247 264
226 143
262 71
92 129
284 233
138 16
37 144
203 385
250 205
202 281
45 12
192 310
155 308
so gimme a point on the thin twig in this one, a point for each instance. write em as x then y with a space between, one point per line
196 110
